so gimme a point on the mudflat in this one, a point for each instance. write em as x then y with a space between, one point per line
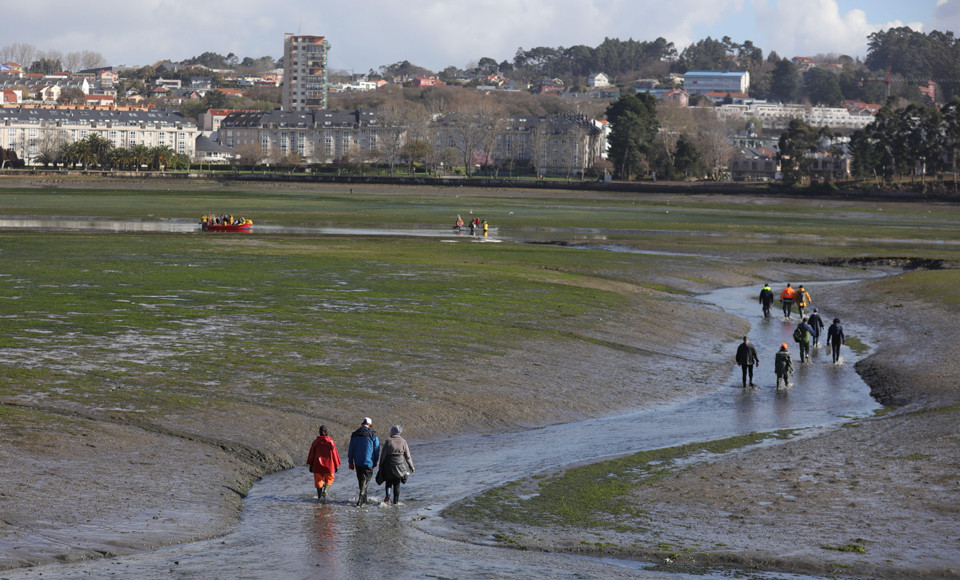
86 479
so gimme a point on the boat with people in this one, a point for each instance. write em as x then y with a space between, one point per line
225 223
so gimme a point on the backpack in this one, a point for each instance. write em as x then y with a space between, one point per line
797 334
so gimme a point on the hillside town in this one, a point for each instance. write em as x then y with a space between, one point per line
171 123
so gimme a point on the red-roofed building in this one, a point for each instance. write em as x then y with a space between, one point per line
427 82
9 97
231 92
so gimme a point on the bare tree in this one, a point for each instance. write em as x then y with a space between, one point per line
474 122
248 154
71 61
391 116
51 146
713 143
91 59
675 120
21 53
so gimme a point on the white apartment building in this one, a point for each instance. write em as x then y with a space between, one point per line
777 116
304 72
701 82
28 131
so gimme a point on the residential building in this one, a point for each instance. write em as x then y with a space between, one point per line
304 72
31 131
209 122
777 116
317 136
700 82
559 145
598 80
9 97
551 145
427 82
755 164
209 150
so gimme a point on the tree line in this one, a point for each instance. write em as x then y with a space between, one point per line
95 151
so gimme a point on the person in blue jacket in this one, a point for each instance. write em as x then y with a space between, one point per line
363 454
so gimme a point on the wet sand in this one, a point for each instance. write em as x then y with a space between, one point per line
887 484
98 482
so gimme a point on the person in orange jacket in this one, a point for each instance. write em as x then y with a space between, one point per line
786 299
324 461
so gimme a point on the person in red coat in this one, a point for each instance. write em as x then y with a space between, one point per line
324 461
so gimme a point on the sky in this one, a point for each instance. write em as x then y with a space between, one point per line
436 34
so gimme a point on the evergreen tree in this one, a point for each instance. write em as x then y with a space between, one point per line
634 125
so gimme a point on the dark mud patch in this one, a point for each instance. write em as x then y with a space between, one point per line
899 263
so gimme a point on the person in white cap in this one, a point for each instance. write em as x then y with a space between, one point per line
362 455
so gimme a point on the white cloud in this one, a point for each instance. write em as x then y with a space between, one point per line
439 33
808 27
946 16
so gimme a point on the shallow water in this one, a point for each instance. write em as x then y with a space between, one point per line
285 533
594 237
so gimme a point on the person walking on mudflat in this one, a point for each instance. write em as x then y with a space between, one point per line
783 366
816 326
747 359
766 300
786 299
803 299
836 337
802 334
363 455
324 461
394 460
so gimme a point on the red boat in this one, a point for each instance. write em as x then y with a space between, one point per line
211 223
244 227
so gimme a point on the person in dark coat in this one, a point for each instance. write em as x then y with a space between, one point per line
747 359
816 327
804 334
363 455
394 461
783 366
766 300
324 461
836 338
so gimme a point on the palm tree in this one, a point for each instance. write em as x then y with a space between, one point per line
99 149
139 156
160 157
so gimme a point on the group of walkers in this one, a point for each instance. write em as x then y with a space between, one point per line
475 224
365 453
806 335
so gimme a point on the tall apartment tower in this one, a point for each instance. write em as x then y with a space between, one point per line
304 72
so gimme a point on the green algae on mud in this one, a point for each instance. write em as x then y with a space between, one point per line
596 495
201 316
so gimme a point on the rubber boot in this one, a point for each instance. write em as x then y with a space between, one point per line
320 493
363 492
